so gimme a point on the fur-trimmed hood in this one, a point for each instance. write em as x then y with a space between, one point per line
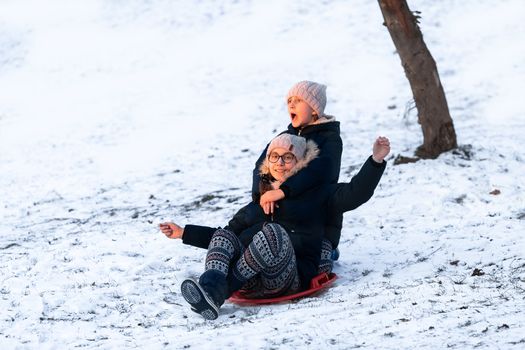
312 151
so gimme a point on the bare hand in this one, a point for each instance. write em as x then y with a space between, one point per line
268 200
171 230
380 149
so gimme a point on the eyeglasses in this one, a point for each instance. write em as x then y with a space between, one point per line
287 157
294 100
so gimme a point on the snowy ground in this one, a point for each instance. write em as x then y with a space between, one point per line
115 116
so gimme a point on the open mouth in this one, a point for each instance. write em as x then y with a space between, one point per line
293 115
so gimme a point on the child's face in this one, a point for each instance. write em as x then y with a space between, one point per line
279 169
300 112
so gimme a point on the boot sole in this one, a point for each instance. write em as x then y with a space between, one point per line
200 302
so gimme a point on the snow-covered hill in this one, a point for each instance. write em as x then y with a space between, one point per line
115 116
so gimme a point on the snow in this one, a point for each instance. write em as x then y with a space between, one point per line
116 116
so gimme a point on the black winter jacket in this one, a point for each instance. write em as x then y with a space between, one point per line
323 170
302 216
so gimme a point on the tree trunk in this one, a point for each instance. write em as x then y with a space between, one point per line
420 68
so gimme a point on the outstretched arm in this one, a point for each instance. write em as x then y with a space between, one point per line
194 235
348 196
200 236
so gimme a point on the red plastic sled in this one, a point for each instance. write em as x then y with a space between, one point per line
317 284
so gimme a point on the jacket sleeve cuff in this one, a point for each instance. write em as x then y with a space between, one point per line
197 236
376 164
286 190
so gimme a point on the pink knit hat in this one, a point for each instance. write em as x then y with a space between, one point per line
313 93
291 143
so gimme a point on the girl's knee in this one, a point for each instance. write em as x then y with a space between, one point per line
274 230
220 232
223 237
274 237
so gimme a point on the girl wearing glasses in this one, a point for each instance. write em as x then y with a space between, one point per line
273 254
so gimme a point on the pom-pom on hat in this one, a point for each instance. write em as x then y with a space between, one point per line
313 93
291 143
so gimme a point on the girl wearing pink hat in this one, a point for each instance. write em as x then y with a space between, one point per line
306 103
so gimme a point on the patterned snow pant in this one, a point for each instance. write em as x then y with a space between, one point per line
326 264
267 267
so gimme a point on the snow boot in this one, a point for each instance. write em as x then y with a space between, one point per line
207 295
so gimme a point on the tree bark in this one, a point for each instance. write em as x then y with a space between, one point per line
420 68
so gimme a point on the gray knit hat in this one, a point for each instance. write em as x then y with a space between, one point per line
291 143
313 93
